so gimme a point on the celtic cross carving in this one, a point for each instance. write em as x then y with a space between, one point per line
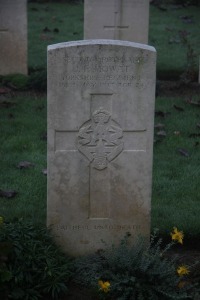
100 139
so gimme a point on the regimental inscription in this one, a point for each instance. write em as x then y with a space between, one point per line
100 139
96 71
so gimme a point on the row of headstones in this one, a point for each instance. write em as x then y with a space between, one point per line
113 19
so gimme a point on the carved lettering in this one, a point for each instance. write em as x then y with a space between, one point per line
99 227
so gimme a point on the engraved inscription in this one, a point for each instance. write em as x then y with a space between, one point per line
99 227
101 71
100 139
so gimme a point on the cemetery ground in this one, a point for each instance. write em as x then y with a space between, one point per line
175 193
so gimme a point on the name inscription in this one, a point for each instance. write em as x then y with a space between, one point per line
98 227
97 70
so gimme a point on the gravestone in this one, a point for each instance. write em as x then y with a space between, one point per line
13 37
117 19
100 139
199 71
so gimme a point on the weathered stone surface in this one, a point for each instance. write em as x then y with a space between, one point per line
199 70
100 141
117 19
13 37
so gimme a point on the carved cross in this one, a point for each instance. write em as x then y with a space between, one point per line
117 27
100 140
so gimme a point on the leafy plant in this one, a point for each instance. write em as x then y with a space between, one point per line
35 266
139 272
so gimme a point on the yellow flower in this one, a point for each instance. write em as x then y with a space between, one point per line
177 235
182 270
1 220
104 286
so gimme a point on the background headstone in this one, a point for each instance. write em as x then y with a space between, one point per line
117 19
100 139
199 71
13 37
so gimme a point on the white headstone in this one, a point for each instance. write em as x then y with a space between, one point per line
13 37
100 142
117 19
199 71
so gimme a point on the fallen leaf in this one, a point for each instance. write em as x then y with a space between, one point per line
8 193
187 19
25 165
159 126
161 133
183 152
44 171
197 103
45 37
162 114
46 29
183 33
7 103
178 108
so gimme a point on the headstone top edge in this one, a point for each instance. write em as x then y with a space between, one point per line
100 42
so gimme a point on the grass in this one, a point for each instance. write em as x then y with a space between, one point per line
51 23
164 36
176 191
22 127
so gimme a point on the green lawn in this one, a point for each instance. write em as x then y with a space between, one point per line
23 130
164 35
176 193
51 23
